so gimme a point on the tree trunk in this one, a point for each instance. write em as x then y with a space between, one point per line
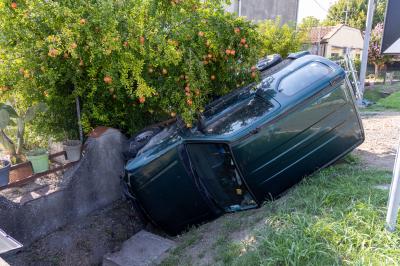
376 71
7 143
20 136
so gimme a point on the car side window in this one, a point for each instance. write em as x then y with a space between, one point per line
303 77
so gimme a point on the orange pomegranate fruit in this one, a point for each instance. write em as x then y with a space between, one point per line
141 40
107 79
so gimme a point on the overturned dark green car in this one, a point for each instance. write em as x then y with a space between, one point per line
249 146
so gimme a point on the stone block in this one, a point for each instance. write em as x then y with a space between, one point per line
142 249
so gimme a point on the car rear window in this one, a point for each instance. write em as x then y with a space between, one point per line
303 78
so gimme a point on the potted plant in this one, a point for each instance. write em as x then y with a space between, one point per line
10 117
73 150
39 159
4 172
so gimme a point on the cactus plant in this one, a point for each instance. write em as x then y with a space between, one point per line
9 116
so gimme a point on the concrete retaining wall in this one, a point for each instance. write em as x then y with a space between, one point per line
92 184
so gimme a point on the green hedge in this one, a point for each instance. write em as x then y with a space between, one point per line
131 62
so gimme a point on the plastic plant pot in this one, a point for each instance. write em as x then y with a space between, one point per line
39 160
73 150
4 172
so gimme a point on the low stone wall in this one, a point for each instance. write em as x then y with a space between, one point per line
37 209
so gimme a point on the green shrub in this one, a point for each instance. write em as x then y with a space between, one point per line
279 39
130 62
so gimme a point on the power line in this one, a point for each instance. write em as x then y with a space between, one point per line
320 6
337 18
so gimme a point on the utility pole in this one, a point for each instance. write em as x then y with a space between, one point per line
237 7
346 12
78 115
319 40
367 37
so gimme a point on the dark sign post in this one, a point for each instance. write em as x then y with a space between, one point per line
391 46
391 33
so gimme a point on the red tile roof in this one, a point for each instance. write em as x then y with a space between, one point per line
323 32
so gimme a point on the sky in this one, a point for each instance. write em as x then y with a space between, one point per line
315 8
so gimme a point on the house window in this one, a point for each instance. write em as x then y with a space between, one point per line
303 78
334 55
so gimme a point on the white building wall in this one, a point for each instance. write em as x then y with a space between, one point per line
347 37
258 10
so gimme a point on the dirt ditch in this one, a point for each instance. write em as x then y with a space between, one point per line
84 242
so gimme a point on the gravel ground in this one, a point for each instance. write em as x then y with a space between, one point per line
382 133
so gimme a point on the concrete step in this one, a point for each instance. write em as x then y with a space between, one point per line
142 249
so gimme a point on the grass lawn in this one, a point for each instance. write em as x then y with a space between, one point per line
335 217
391 102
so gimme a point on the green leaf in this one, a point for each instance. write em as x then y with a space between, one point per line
4 119
33 110
11 111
